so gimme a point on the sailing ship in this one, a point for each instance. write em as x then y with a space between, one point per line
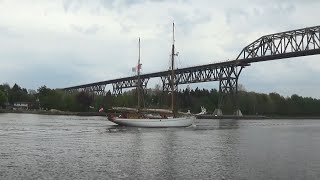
142 119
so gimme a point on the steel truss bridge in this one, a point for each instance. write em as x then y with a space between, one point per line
295 43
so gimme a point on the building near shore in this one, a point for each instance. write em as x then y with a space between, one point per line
22 105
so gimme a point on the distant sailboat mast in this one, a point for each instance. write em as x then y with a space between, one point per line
139 80
172 72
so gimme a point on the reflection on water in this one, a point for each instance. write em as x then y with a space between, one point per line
70 147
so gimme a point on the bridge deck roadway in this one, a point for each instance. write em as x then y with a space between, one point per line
161 73
240 62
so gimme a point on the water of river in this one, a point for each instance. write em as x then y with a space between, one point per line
70 147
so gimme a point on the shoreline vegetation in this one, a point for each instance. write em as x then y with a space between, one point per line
58 102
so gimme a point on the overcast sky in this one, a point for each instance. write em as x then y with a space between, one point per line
62 43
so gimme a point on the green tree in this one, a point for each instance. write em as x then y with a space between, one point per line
84 99
3 99
18 94
50 99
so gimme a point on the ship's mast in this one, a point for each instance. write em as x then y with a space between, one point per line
172 72
139 81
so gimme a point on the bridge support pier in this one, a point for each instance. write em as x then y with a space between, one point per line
228 87
167 88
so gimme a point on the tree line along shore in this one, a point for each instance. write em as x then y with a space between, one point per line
53 101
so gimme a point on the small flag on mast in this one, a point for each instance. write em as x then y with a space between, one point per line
139 66
135 69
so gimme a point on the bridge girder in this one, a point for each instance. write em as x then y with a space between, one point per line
96 89
207 74
119 86
290 42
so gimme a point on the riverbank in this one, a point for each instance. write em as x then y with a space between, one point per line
211 116
254 117
55 112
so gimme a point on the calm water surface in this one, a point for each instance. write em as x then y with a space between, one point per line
70 147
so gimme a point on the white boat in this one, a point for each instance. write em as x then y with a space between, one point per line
203 111
155 123
125 109
151 120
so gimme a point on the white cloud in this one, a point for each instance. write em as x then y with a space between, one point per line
69 42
